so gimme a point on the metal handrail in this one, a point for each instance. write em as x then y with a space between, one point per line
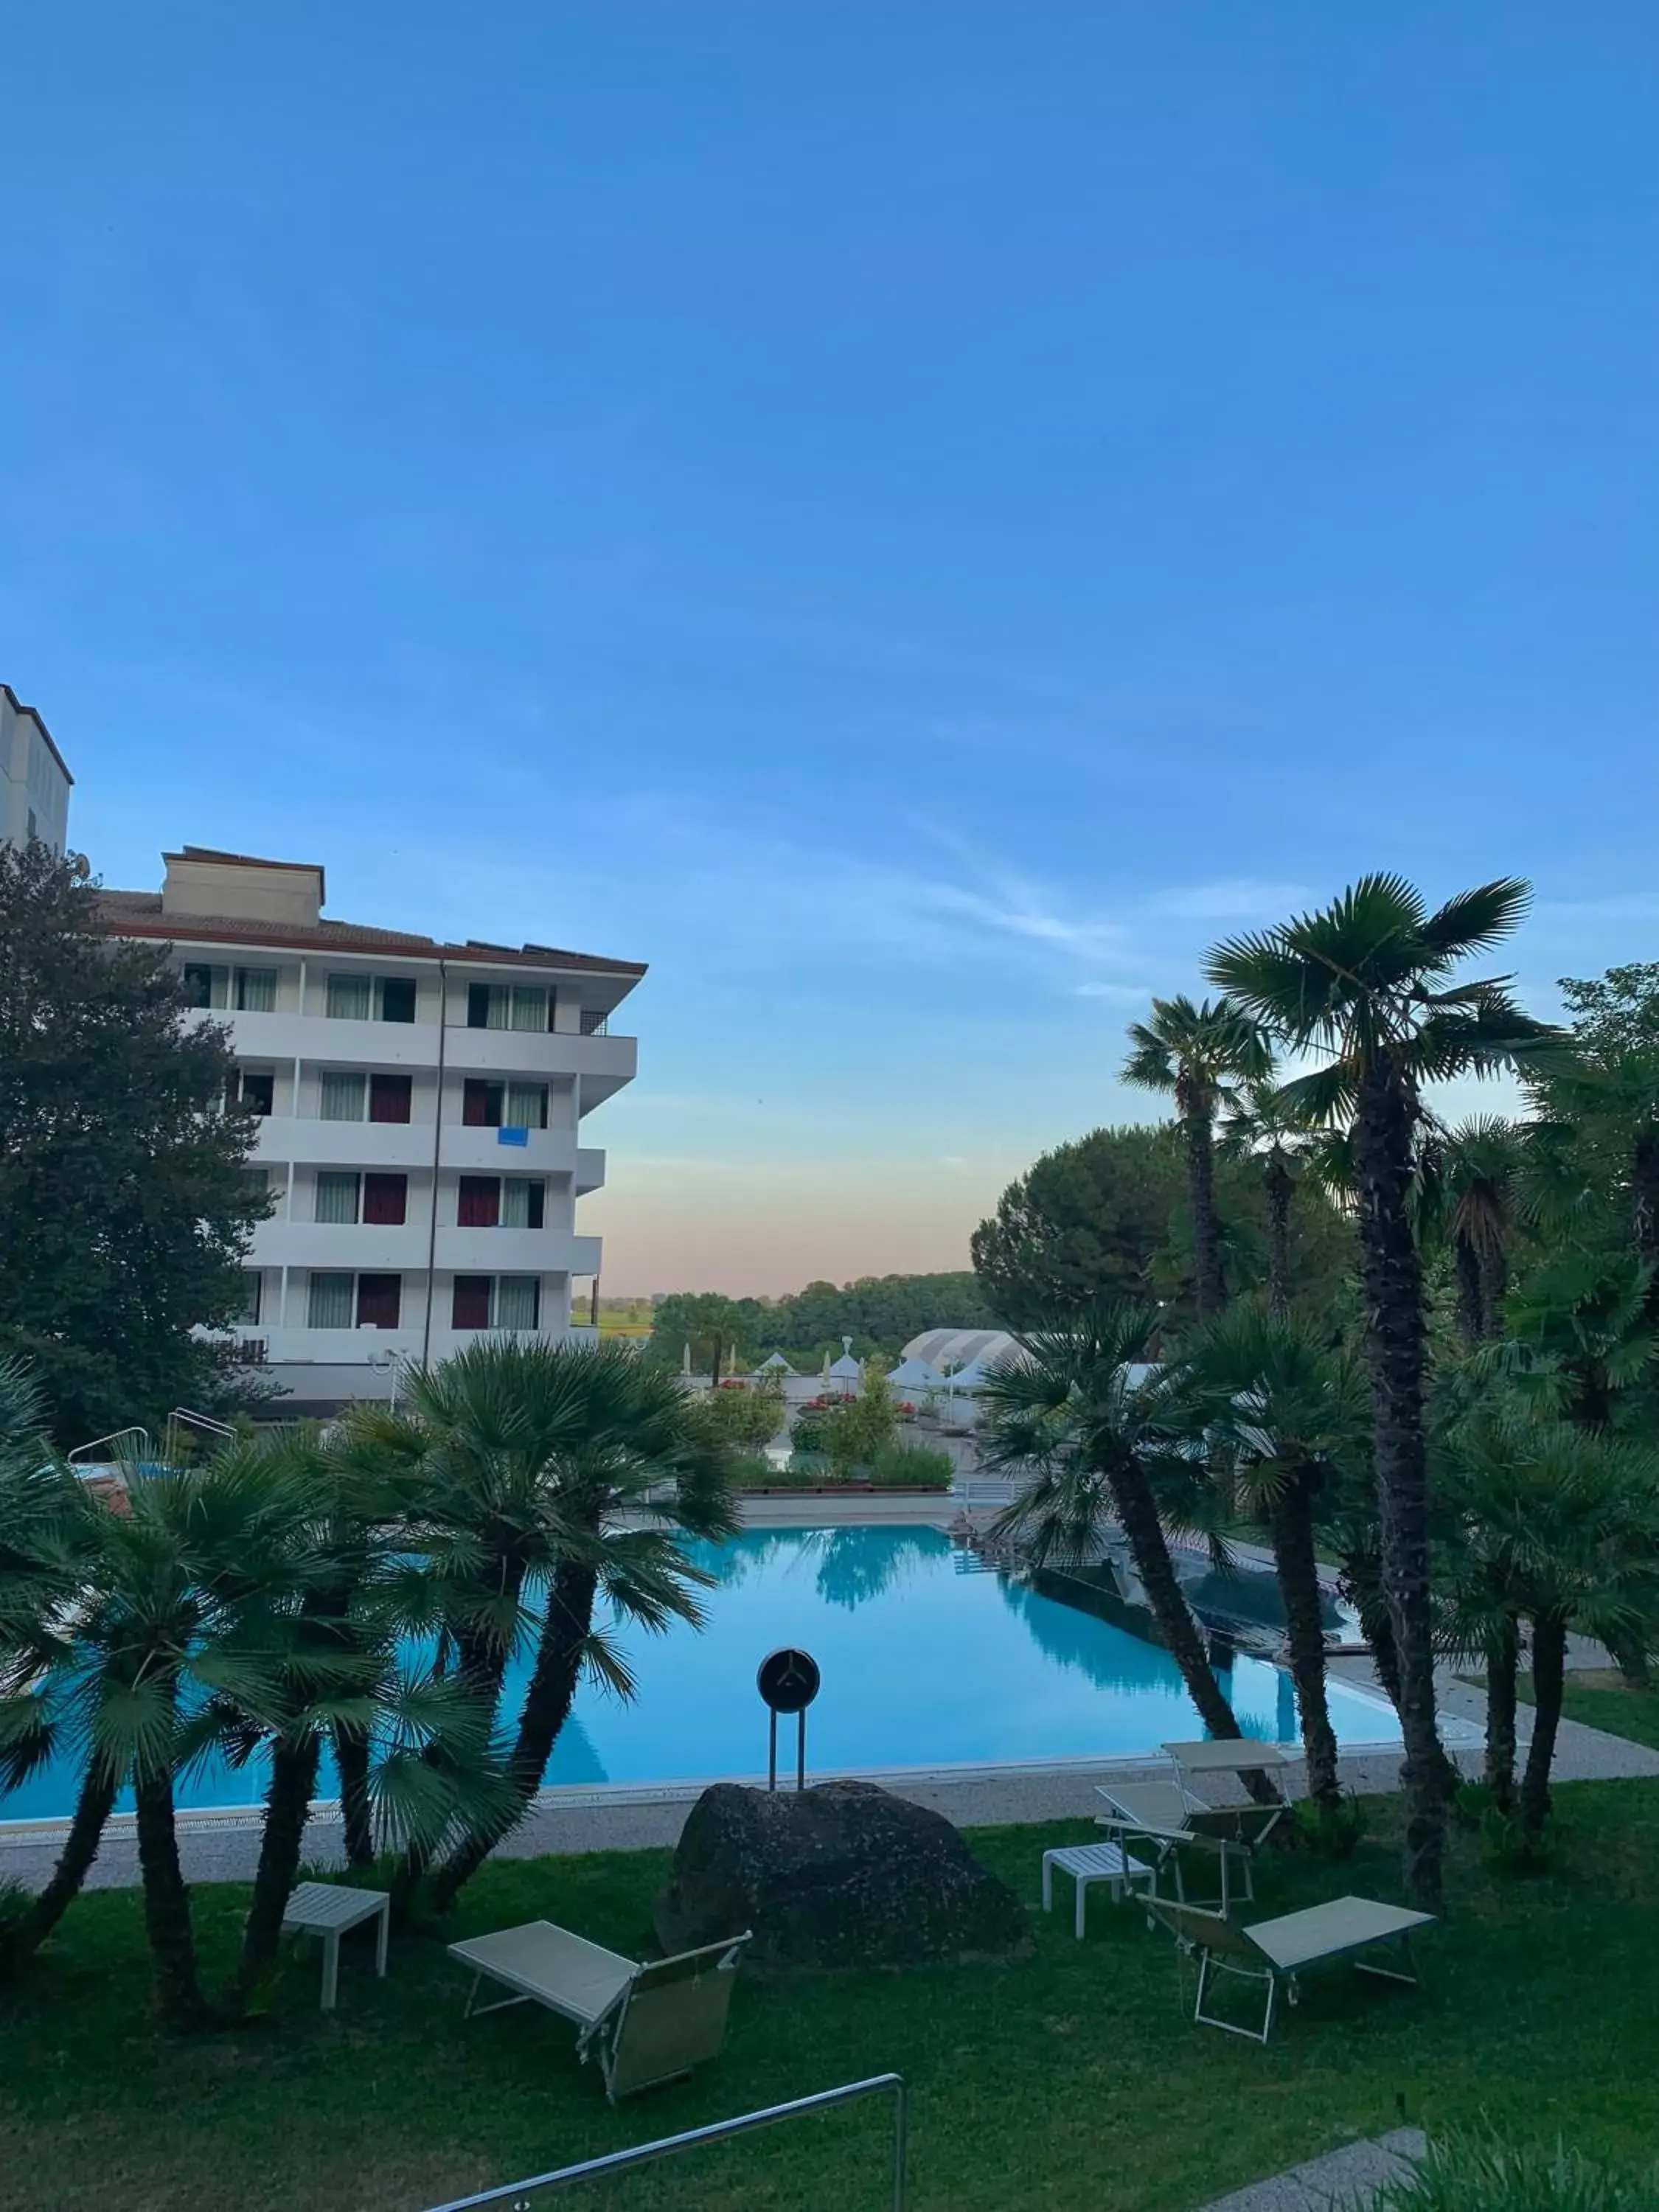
516 2196
115 1436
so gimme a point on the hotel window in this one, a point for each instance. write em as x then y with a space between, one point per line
344 1096
592 1022
337 1191
380 1301
496 1301
247 1315
371 997
254 1087
524 1202
509 1007
501 1202
503 1105
256 1182
385 1201
244 990
330 1301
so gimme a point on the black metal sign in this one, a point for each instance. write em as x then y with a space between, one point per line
788 1682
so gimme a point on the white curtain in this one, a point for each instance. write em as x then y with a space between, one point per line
526 1106
330 1302
350 997
499 1006
529 1007
337 1195
342 1096
256 990
517 1301
515 1202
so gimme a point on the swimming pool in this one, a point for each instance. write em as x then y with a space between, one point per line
927 1661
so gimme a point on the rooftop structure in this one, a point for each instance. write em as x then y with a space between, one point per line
34 780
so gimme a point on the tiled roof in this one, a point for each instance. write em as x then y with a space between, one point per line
138 914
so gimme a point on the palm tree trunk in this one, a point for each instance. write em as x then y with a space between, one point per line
356 1813
287 1808
93 1807
1138 1513
1549 1651
1279 1186
1494 1288
1391 1277
1471 1293
1291 1520
547 1706
1209 1291
1503 1666
166 1908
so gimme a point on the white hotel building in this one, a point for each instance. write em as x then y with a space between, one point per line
423 1108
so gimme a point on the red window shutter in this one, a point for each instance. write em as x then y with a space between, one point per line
380 1301
388 1097
385 1198
472 1103
479 1206
470 1309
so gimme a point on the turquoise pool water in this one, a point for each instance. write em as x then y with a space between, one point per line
924 1665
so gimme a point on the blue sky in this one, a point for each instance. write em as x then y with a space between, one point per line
912 520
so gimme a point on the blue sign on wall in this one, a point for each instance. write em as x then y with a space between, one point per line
512 1136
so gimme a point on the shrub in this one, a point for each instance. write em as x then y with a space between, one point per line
1513 1848
1476 2173
905 1467
748 1415
807 1434
855 1433
1331 1831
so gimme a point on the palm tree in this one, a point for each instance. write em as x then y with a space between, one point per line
49 1536
1558 1528
1370 981
1076 1413
1283 1414
1260 1123
559 1477
1469 1191
353 1599
1196 1055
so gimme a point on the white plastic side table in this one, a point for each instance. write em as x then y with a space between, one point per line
326 1909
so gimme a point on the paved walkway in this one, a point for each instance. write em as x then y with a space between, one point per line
1346 2177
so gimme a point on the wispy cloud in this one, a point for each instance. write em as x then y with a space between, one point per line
1235 898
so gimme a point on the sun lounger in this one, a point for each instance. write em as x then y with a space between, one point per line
1277 1953
1167 1817
642 2024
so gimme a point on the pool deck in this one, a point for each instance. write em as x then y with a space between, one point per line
223 1845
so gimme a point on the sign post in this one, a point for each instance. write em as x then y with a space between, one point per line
788 1681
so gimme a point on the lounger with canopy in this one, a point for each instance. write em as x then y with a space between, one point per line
1277 1953
641 2024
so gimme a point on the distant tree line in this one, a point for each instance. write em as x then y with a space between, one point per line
880 1313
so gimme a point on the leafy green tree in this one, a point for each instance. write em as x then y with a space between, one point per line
705 1322
1109 1215
1371 982
1283 1417
1198 1055
556 1476
1094 1438
746 1415
853 1434
123 1207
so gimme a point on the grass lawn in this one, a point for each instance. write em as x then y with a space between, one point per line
1601 1699
1074 2081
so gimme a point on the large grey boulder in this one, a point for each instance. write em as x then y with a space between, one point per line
842 1874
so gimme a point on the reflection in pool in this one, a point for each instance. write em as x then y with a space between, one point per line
925 1663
